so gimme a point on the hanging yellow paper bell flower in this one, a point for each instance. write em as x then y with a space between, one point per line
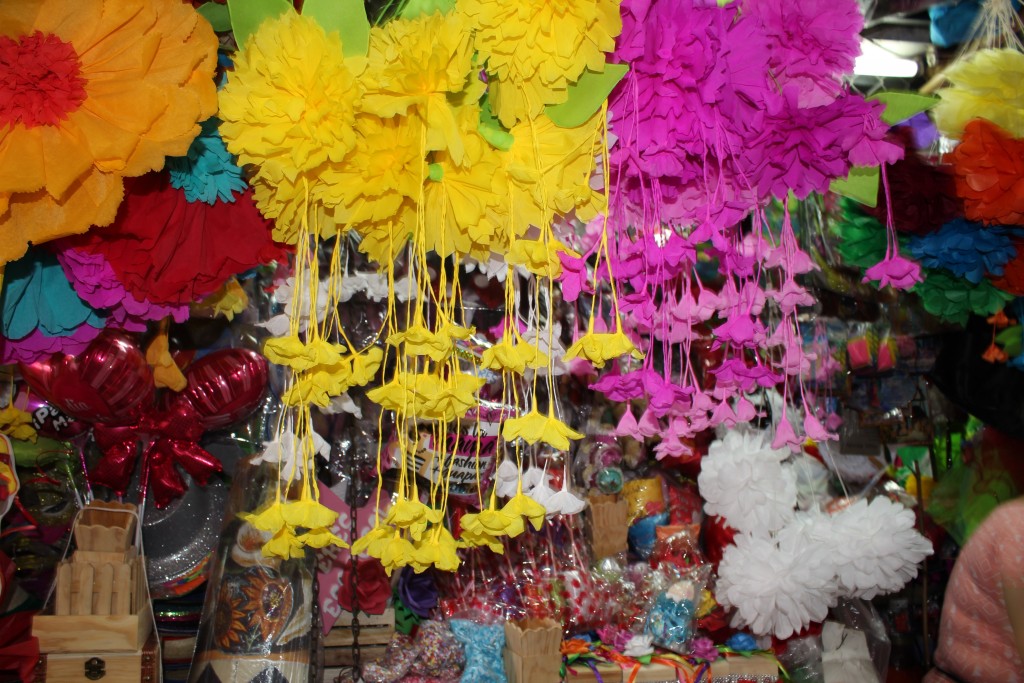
601 347
534 427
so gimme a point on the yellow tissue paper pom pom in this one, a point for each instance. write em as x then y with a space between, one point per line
414 66
985 85
289 109
536 48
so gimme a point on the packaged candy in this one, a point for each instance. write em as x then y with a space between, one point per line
672 616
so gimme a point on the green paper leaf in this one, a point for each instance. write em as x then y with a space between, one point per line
217 15
861 185
418 8
900 106
586 96
347 17
911 454
492 130
247 15
1012 340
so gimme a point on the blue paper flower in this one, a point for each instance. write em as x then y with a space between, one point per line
968 250
208 173
741 642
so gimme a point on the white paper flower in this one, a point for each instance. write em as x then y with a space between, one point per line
639 646
282 452
565 502
542 493
533 476
342 403
877 548
506 479
743 480
776 587
493 268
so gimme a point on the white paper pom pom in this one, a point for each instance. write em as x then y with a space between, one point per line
877 548
743 480
777 588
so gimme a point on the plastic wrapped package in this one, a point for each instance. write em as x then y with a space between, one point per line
846 648
257 622
673 614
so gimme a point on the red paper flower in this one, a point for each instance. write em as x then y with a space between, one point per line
373 587
1012 280
989 167
171 251
923 196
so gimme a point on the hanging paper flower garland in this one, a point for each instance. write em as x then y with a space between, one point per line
410 159
86 103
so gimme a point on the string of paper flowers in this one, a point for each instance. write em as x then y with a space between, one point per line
387 134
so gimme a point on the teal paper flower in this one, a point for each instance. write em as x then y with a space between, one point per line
209 172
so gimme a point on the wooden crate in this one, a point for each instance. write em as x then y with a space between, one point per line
101 603
142 666
375 633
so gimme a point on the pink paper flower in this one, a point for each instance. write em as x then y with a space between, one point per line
574 278
895 271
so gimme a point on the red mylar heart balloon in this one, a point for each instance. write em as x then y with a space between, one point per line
226 386
109 382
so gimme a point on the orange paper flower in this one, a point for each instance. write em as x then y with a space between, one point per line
92 92
989 168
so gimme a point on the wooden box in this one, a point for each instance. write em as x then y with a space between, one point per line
375 633
613 673
142 666
101 603
757 668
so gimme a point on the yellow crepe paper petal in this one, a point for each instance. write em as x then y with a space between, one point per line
439 550
538 256
298 355
270 519
284 544
373 542
534 427
17 424
522 504
321 538
601 347
228 301
308 514
166 373
454 397
417 340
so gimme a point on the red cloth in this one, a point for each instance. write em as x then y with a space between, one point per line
173 252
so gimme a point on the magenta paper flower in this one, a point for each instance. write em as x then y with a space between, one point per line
95 281
621 387
895 271
792 296
627 426
785 437
37 345
740 329
648 424
815 430
574 278
663 395
812 44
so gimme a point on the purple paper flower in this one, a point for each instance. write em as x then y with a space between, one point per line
418 592
96 283
895 271
621 387
704 648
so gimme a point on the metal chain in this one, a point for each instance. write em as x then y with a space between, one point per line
354 528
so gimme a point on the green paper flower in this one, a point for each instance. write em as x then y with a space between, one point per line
954 300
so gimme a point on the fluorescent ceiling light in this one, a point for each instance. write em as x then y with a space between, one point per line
877 61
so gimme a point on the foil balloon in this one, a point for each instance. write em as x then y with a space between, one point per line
108 383
226 386
223 388
47 419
